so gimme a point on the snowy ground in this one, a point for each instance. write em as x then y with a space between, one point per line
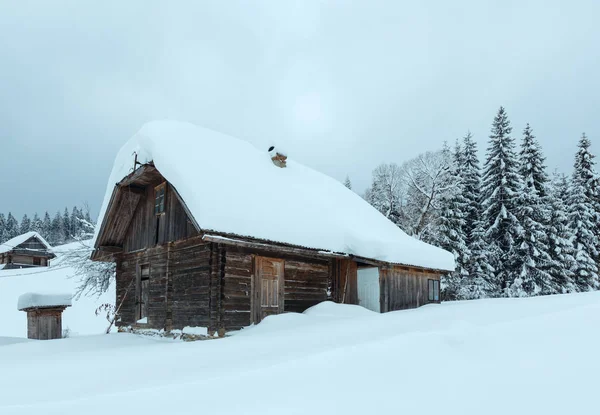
509 356
80 319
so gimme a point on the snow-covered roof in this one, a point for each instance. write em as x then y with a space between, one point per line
230 186
41 300
18 240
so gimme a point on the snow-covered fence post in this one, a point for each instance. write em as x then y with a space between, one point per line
44 314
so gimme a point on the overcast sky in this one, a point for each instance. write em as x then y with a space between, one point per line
343 85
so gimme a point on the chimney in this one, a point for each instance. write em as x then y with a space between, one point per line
278 158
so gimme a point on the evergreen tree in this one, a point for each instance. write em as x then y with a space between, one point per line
25 224
12 226
531 259
500 189
57 232
66 226
583 218
348 183
472 186
560 247
451 228
531 162
3 235
75 222
476 286
36 224
46 227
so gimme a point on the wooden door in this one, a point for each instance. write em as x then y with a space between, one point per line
268 288
143 293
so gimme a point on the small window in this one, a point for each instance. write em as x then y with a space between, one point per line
159 199
433 289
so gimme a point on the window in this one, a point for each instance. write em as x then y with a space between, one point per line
433 288
159 199
37 261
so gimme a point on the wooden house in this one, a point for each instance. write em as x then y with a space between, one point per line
25 251
208 231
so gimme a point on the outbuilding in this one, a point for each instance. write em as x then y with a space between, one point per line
25 251
207 230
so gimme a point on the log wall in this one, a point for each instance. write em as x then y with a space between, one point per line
403 287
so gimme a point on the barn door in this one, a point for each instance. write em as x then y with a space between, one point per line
268 287
369 288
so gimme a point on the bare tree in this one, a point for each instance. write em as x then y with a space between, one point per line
94 277
426 179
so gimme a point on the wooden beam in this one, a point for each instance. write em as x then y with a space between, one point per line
109 248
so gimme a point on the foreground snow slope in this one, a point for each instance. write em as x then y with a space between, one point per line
510 356
79 319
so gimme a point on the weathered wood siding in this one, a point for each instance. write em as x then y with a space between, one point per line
403 287
306 283
147 229
44 323
236 289
190 275
345 281
127 288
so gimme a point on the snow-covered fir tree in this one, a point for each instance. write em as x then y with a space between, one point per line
3 236
500 188
560 245
66 226
47 227
348 183
475 286
36 224
451 227
531 259
12 226
583 218
57 231
25 224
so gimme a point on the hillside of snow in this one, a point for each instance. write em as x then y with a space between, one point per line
504 356
80 319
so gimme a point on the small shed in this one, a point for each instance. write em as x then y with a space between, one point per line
44 314
25 251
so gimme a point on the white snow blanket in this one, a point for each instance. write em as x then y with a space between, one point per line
232 187
34 300
453 358
18 240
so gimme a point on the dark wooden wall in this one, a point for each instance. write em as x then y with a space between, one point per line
128 296
173 225
345 281
306 282
44 323
403 287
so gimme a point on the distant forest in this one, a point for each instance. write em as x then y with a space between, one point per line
61 229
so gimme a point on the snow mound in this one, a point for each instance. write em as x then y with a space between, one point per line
329 309
295 205
39 300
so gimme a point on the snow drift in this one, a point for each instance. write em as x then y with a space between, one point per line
493 357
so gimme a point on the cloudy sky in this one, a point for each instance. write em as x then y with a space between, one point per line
343 85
